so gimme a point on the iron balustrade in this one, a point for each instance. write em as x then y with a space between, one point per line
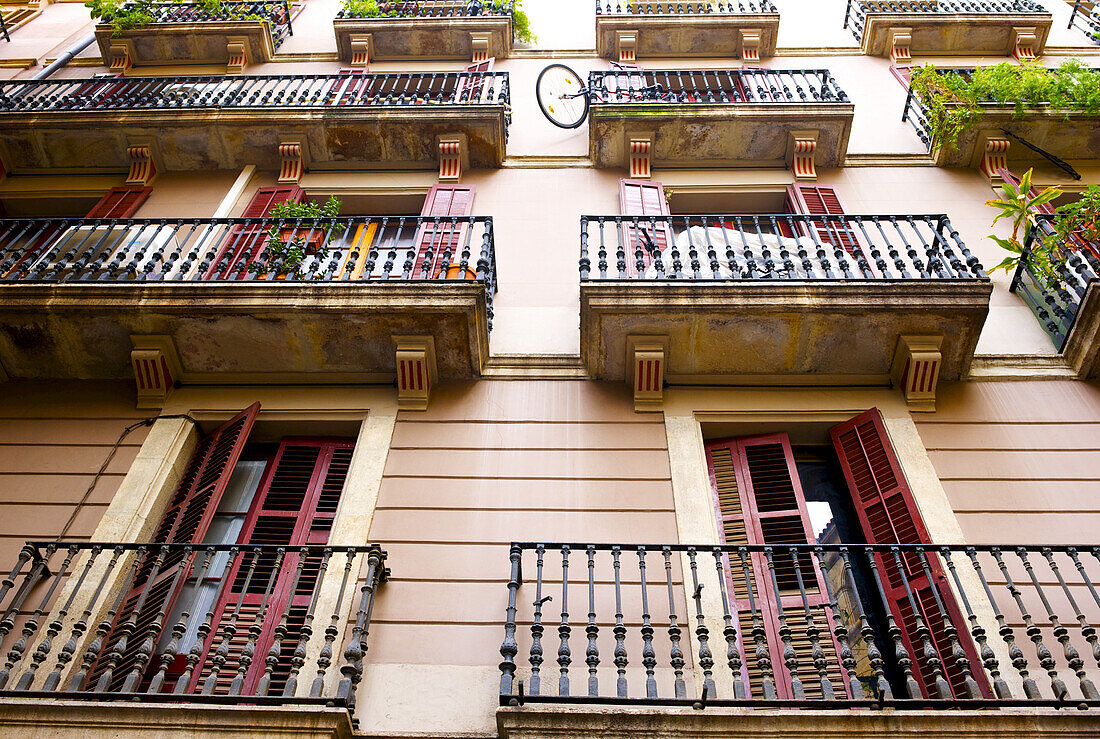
815 627
291 91
275 12
1086 20
855 14
714 86
1056 299
4 28
677 7
779 246
376 249
438 9
248 623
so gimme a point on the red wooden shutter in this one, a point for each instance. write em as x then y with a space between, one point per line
184 521
248 241
120 202
760 501
889 515
820 200
352 88
443 239
904 75
295 505
644 198
468 89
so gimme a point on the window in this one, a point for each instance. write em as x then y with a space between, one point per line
765 496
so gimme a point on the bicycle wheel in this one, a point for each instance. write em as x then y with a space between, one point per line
562 96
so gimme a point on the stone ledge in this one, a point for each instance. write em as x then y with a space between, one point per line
394 39
61 719
685 723
189 43
678 36
955 34
1069 135
1082 350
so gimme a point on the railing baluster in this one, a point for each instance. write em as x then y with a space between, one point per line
1073 658
759 635
816 652
68 650
702 633
229 629
592 653
931 654
790 657
958 654
126 628
30 628
733 654
901 654
298 659
620 629
649 657
244 661
989 659
537 629
194 654
676 654
1033 631
324 657
840 631
1015 654
509 649
1046 659
171 649
352 669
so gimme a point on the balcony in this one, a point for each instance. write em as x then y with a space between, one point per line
745 29
901 28
430 29
244 642
389 121
1086 17
751 298
1069 310
75 290
189 33
1044 133
717 118
924 631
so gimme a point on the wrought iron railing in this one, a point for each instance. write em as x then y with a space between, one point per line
381 249
676 7
391 90
815 626
275 12
187 622
1055 299
437 9
4 28
780 246
1086 20
684 86
855 14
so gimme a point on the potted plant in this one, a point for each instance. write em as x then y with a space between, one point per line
288 245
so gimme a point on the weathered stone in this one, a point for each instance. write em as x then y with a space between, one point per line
189 43
705 35
424 38
953 33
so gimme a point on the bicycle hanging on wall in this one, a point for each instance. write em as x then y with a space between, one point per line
564 98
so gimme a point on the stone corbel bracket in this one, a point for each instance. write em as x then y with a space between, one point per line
626 46
156 367
901 39
143 162
801 148
1025 43
994 157
292 155
481 46
362 50
639 148
750 44
237 48
645 361
916 370
121 56
454 157
416 371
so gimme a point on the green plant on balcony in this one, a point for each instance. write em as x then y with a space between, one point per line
1077 222
521 24
288 245
127 15
954 101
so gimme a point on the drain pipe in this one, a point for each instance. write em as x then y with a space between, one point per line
65 58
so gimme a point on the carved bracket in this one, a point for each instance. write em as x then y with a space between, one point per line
645 357
416 371
121 56
156 369
750 44
1024 43
640 149
900 41
237 48
293 162
916 370
454 157
362 50
626 44
994 157
481 46
142 168
801 148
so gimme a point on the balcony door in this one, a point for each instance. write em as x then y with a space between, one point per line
644 198
440 242
246 242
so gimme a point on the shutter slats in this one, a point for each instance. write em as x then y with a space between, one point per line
643 198
247 242
443 239
120 202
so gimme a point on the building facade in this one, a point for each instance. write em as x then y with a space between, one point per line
644 377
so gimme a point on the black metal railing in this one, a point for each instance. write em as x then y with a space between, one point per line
275 12
680 86
437 9
317 250
403 90
4 28
780 246
855 14
675 7
1086 20
186 622
1055 299
816 626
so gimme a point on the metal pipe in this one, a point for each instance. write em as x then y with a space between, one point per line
65 58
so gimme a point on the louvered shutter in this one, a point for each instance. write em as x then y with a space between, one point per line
184 521
889 515
353 87
644 198
442 240
760 502
295 505
120 202
469 88
820 200
246 242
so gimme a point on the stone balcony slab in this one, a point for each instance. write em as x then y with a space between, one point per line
704 35
400 39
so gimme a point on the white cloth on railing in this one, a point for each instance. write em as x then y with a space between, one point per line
705 238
